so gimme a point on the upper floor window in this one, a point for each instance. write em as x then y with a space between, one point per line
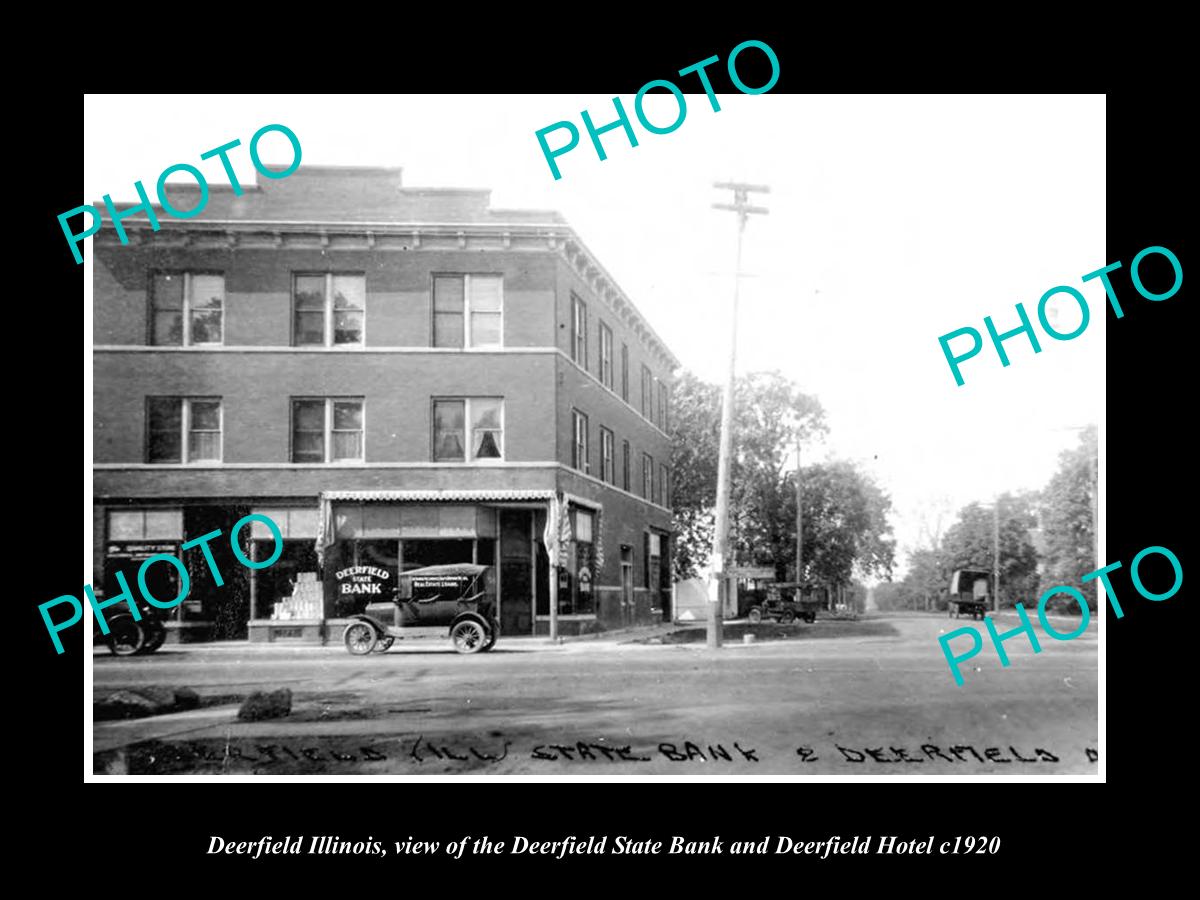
663 485
625 373
606 356
648 476
468 310
183 429
607 459
327 429
625 464
662 405
578 331
579 447
467 429
328 310
647 394
187 308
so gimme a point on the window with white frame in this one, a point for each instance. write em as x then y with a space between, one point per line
468 429
662 405
606 356
579 447
625 465
187 308
648 476
578 331
664 497
468 311
327 429
607 461
329 309
183 429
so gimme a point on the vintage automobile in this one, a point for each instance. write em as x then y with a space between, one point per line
970 593
454 599
780 601
127 636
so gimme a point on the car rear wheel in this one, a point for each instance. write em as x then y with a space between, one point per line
492 634
125 636
156 635
788 617
754 615
468 636
360 638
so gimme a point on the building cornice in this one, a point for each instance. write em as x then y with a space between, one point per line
604 286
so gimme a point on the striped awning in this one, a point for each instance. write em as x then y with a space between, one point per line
436 496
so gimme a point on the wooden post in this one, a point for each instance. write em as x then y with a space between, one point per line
799 519
554 563
253 580
532 572
996 557
720 555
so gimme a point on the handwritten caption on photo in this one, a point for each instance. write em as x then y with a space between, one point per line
415 754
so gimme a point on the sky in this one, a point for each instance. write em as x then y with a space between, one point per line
892 220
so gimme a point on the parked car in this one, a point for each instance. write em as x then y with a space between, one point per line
970 593
127 635
778 601
453 599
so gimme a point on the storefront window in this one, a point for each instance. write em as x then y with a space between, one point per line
359 572
421 553
288 589
580 596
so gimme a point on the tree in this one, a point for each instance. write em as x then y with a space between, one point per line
695 422
846 531
969 544
771 412
928 577
1068 530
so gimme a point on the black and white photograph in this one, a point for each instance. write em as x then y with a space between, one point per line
682 435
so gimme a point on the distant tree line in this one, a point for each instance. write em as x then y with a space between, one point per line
1046 539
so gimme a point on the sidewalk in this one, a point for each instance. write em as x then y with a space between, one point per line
526 643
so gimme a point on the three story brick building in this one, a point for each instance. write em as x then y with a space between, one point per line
398 378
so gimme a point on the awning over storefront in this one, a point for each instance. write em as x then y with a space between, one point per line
436 496
328 525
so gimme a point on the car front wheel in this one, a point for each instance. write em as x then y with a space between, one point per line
468 636
125 636
360 638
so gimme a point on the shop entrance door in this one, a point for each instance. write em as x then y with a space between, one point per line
516 571
626 584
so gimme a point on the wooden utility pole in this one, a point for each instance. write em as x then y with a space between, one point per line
720 560
799 525
996 555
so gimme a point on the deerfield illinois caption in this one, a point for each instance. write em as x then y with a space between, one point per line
621 845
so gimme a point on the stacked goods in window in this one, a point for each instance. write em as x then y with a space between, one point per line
306 600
